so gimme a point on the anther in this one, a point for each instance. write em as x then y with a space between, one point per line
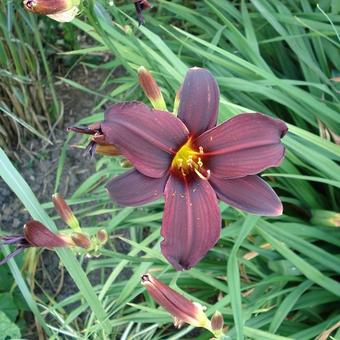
200 150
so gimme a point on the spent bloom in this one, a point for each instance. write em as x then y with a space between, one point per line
182 309
35 234
140 6
59 10
193 162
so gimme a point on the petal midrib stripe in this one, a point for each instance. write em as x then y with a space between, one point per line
237 148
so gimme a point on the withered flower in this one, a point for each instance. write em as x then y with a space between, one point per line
98 143
182 309
59 10
140 6
35 234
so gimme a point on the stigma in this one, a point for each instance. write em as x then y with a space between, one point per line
189 160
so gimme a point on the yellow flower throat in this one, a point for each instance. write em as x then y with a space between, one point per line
187 160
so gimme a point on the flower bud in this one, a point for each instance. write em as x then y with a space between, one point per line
176 102
81 240
151 89
326 218
37 235
217 321
128 30
182 309
47 7
65 212
102 236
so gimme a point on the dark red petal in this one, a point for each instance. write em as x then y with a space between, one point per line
243 145
199 99
251 194
133 188
39 236
147 138
191 221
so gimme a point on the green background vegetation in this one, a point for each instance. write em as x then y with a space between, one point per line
275 57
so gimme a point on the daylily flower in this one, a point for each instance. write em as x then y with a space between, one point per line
182 309
193 163
59 10
35 235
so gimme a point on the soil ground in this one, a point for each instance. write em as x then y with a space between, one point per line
38 167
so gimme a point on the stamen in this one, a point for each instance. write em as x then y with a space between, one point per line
188 159
200 175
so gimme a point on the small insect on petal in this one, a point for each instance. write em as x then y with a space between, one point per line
182 309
